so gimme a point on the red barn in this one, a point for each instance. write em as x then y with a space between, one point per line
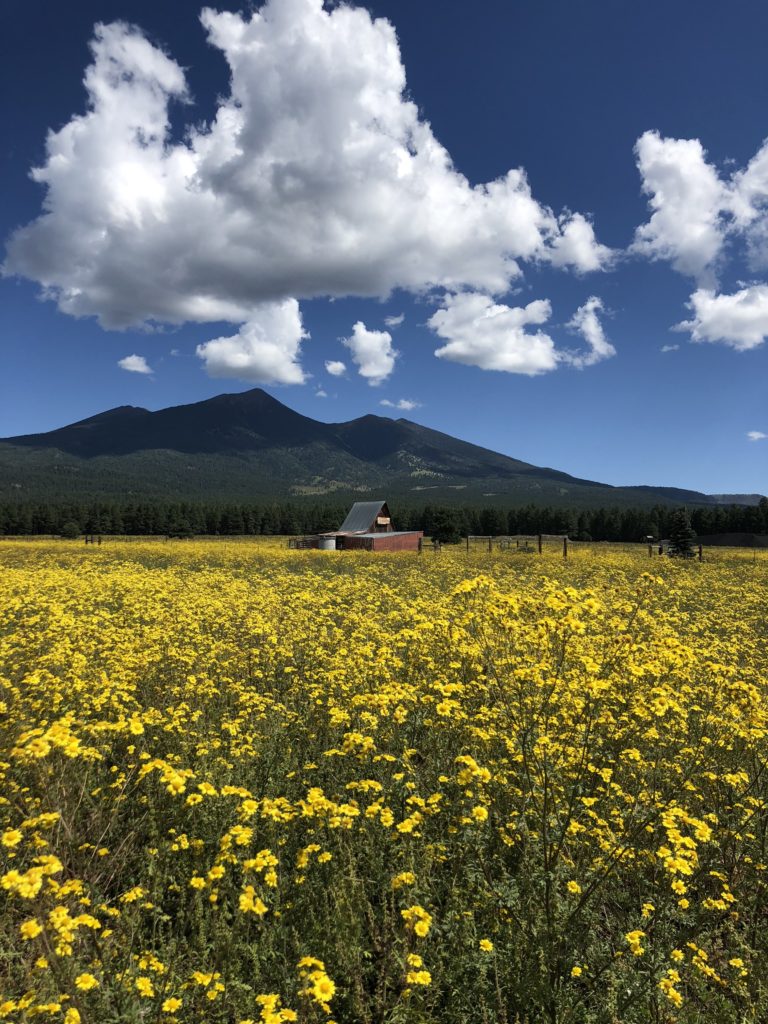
367 527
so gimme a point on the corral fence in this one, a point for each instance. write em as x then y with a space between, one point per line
535 543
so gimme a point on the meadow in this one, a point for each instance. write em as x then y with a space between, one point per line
245 785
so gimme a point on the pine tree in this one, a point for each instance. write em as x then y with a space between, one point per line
681 535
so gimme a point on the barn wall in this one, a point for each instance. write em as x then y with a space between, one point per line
401 542
352 543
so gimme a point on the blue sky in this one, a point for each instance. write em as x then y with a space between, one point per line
243 252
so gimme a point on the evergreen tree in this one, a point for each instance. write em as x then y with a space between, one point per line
681 535
445 526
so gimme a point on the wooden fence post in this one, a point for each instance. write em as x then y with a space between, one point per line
490 541
701 553
565 547
539 538
467 543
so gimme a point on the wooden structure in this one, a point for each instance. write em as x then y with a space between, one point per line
367 527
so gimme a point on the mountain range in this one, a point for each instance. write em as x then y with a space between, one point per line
251 446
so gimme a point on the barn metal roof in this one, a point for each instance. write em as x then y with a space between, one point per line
361 516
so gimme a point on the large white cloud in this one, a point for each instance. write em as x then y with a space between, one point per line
688 201
698 217
265 350
494 336
372 353
696 210
480 332
739 320
316 177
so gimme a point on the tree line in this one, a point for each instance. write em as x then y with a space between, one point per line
294 518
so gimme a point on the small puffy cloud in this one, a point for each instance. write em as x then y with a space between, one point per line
480 332
404 404
586 321
134 364
669 348
372 353
739 319
577 246
321 393
335 367
394 321
316 176
687 199
756 435
265 350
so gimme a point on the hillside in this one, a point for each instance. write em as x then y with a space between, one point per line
251 446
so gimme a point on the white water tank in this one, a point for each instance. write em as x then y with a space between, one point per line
327 544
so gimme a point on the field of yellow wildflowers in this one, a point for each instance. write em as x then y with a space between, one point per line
246 784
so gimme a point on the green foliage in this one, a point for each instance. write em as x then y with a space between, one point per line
681 535
70 530
136 518
446 526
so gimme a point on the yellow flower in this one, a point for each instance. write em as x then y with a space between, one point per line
576 972
573 887
250 902
145 987
417 919
323 989
85 982
634 940
172 1005
486 945
30 929
418 978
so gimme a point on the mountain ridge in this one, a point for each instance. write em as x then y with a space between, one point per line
249 444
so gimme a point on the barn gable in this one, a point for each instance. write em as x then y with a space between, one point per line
363 516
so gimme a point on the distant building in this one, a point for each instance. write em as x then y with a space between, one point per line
367 527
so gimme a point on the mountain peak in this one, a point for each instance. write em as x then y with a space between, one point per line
249 444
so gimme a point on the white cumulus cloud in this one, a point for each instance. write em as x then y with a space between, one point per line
405 404
335 367
265 350
699 216
134 364
316 177
577 247
493 336
394 321
756 435
480 332
372 353
688 201
587 322
669 348
739 319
